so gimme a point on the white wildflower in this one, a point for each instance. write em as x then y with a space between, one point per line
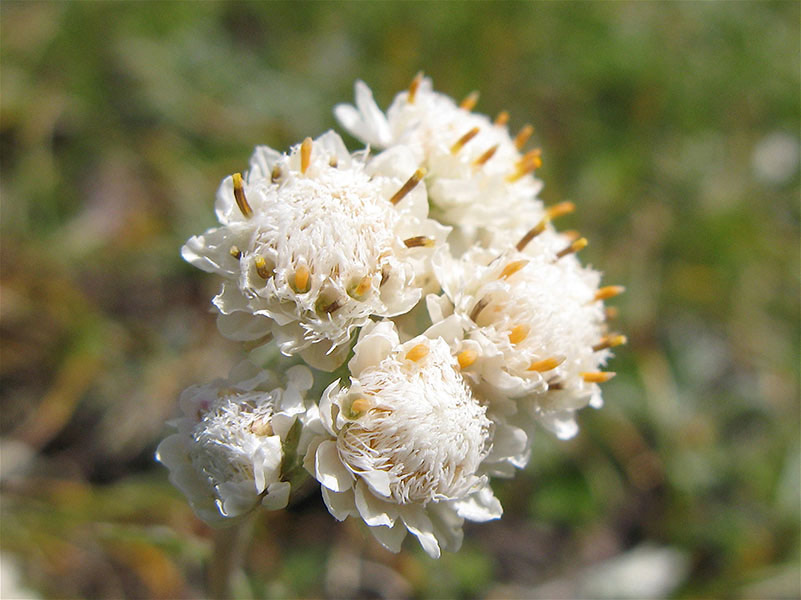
315 242
534 327
403 445
477 175
227 454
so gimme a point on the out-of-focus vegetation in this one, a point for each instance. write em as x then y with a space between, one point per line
673 126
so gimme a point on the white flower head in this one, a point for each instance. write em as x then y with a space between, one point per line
534 327
315 242
403 445
227 454
478 176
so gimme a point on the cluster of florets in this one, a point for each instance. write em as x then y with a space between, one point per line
426 266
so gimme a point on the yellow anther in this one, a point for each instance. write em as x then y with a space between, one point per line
518 333
561 209
276 173
239 195
466 358
610 341
419 241
261 267
261 427
598 376
302 276
360 406
512 268
571 234
574 247
480 305
611 312
522 137
417 352
305 154
326 307
470 101
546 364
360 290
414 86
235 252
530 160
532 233
502 118
486 156
463 140
333 162
609 291
410 184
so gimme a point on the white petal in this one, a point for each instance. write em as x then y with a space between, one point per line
563 424
340 504
376 341
390 537
378 482
329 470
447 525
480 506
277 496
373 510
418 524
242 326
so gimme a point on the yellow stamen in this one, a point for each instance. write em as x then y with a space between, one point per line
486 156
276 173
611 312
466 358
239 195
561 209
463 140
526 165
416 353
610 341
360 406
546 364
418 241
609 291
333 162
502 118
571 234
302 276
261 427
532 233
359 291
579 244
598 376
413 87
470 101
410 184
235 252
480 305
512 268
261 267
305 154
518 333
522 137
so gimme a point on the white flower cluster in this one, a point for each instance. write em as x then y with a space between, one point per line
472 317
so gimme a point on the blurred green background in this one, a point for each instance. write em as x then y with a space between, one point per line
673 126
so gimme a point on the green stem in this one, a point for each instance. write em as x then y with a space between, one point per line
230 545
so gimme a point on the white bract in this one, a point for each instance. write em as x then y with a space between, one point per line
402 446
227 454
312 245
478 178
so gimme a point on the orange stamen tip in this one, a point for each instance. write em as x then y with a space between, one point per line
574 247
360 289
239 195
598 376
512 268
522 137
486 156
610 341
261 267
417 352
302 276
470 101
261 427
502 118
463 140
558 210
609 291
410 184
466 358
414 86
419 241
518 333
305 154
360 405
546 364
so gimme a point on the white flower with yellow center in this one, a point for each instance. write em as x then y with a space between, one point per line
534 325
403 445
478 175
314 243
228 453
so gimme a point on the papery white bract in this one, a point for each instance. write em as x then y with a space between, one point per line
226 456
315 242
402 446
478 178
